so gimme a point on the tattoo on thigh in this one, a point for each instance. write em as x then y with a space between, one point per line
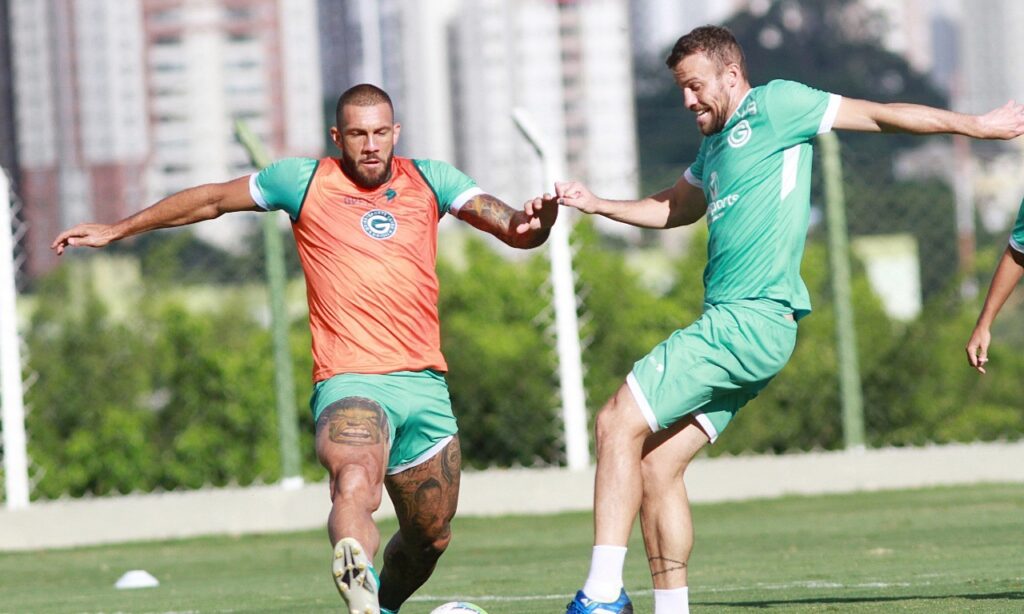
426 495
666 565
451 461
355 421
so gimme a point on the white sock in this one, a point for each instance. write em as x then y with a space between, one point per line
605 580
672 601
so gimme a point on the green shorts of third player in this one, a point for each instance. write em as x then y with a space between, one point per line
713 367
416 403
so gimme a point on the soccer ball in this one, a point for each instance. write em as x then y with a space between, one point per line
458 607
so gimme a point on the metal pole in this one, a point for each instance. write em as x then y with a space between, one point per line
570 364
839 262
16 485
284 383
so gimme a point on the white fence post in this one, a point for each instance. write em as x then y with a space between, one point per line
11 388
570 364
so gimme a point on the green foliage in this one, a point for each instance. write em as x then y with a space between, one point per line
623 320
214 399
926 393
176 395
501 368
86 423
832 45
177 256
168 398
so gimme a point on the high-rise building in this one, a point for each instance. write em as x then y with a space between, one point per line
567 64
122 102
926 34
457 69
657 24
8 142
81 114
401 46
210 62
991 49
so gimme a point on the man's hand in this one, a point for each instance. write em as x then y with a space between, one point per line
1006 122
83 235
576 195
977 348
541 213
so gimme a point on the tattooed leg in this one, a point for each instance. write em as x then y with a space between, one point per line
660 565
352 443
425 497
665 510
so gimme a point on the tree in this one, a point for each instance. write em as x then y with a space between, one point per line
501 365
88 424
833 45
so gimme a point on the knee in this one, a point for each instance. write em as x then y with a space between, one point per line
657 475
614 426
355 484
430 542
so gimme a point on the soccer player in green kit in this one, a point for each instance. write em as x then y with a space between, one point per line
1008 272
751 179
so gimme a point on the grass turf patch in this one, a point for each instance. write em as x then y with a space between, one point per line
934 550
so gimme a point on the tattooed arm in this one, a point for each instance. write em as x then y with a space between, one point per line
523 228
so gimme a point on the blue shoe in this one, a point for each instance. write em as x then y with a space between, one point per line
585 605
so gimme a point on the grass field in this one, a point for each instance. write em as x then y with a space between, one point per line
937 550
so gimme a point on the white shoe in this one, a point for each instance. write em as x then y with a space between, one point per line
355 577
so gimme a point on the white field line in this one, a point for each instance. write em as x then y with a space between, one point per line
712 589
695 594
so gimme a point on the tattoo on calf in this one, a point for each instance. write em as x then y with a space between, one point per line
666 564
355 421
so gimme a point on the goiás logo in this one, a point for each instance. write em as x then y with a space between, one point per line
740 134
379 224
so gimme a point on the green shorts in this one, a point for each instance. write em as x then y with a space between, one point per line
711 368
417 405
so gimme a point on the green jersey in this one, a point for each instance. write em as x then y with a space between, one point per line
756 177
1017 236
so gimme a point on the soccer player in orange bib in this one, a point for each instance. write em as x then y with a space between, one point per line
366 229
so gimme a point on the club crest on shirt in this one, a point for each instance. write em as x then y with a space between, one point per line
379 224
740 134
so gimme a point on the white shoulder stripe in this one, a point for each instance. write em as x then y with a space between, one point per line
790 167
257 196
463 198
692 179
829 117
1016 245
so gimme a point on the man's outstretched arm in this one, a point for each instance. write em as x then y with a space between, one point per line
1008 273
523 228
679 205
196 204
1006 122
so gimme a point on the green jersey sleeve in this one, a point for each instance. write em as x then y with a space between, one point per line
1017 236
797 112
695 172
283 185
452 187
